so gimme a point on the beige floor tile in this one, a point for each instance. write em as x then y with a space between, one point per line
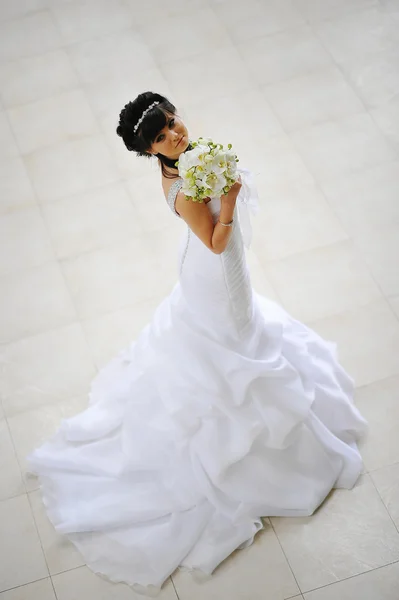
34 301
99 58
368 341
195 33
293 53
297 219
260 282
381 584
24 241
366 201
378 403
110 278
71 168
128 163
276 163
380 248
394 302
386 481
62 118
163 245
39 590
150 204
8 145
304 101
102 65
260 572
74 585
32 428
109 334
36 78
367 205
91 220
15 10
323 282
359 35
145 13
218 68
22 560
86 19
46 369
256 18
350 534
30 35
390 6
376 78
61 555
387 119
219 120
16 190
314 10
342 147
10 481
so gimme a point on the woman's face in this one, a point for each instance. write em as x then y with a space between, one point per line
172 140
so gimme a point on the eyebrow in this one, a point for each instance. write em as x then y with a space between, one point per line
167 125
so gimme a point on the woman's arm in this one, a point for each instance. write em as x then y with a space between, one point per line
198 217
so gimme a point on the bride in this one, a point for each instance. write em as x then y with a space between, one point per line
223 411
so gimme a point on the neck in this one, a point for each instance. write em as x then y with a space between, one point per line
169 162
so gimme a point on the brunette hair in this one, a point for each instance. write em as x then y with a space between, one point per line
155 120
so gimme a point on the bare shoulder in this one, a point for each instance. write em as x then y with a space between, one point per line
186 209
179 197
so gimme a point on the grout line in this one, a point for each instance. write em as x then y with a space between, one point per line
80 320
14 496
18 462
174 587
371 471
352 238
53 586
322 587
346 77
312 323
45 224
286 557
38 534
380 497
345 578
17 587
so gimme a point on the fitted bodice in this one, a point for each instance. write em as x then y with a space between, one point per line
218 283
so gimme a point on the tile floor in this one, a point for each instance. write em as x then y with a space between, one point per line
308 91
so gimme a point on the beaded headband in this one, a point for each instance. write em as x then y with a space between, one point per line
147 110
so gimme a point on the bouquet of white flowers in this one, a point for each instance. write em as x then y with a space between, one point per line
207 170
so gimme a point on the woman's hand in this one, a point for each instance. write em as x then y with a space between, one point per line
231 196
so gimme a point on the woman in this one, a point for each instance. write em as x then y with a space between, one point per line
225 409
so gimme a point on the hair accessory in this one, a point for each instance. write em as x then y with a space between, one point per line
147 110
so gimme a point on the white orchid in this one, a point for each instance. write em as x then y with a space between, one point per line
207 170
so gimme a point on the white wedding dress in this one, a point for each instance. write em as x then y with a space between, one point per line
223 411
